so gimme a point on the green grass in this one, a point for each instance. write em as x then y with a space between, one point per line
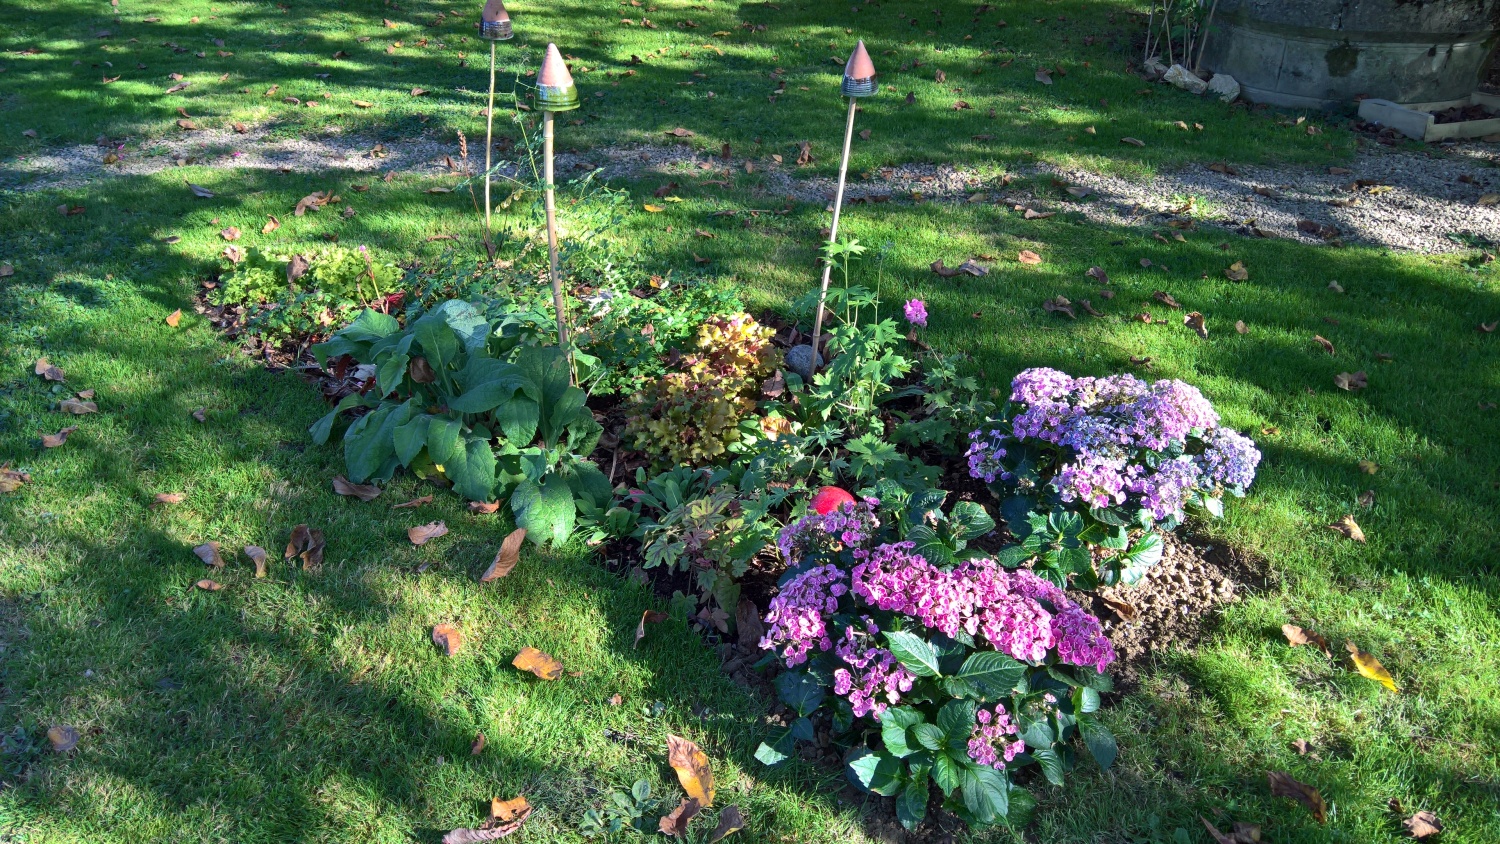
313 706
714 78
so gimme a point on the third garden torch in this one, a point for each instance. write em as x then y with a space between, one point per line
494 26
555 92
859 81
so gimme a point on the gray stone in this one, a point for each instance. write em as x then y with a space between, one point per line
1154 69
799 360
1185 79
1224 87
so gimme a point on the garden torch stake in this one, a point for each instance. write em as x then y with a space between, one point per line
859 81
555 92
494 25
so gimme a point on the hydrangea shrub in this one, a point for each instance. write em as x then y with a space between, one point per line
1086 463
951 675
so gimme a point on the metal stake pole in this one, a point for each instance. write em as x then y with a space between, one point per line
489 143
833 233
551 203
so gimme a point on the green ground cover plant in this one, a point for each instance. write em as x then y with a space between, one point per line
318 696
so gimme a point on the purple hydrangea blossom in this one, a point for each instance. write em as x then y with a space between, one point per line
874 679
992 741
916 312
1102 430
795 622
849 526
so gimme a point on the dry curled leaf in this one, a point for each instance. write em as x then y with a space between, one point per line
730 822
675 824
1422 824
76 407
174 318
1165 298
209 585
201 414
506 558
1043 76
483 508
1237 271
1240 327
1349 528
412 504
208 552
307 544
493 830
1324 342
1195 321
1026 256
57 439
63 738
1135 142
164 498
257 556
447 637
272 224
47 371
538 663
476 748
691 764
1283 785
364 492
505 810
230 233
1059 305
647 617
1296 636
1368 666
1351 381
421 534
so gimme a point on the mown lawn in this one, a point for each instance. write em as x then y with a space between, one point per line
313 706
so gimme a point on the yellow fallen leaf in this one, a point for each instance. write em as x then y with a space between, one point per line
538 663
1369 666
1349 528
654 208
174 318
691 764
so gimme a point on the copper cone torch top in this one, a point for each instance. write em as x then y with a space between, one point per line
859 74
555 90
494 22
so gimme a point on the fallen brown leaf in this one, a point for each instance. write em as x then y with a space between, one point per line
364 492
1349 528
208 552
483 508
1237 271
492 830
1126 611
505 810
1296 636
230 233
1324 342
57 439
272 224
422 534
296 268
209 585
1350 381
1422 824
76 407
1195 321
691 764
506 558
201 414
1098 274
1026 256
447 637
307 544
1283 785
538 663
647 617
1165 298
730 822
164 498
1059 305
63 738
174 318
675 824
412 504
1135 142
1240 327
1367 499
474 750
257 556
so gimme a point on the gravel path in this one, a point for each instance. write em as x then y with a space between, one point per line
1426 201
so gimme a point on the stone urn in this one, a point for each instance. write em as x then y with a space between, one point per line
1325 53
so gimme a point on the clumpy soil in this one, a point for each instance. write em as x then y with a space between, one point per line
1174 605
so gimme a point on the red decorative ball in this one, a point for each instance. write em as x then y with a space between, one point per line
829 499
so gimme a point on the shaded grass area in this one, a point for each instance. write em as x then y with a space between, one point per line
320 696
712 68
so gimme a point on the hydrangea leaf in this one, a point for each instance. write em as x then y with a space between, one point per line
799 690
911 805
1098 739
993 674
914 652
879 773
930 736
986 793
1051 764
895 724
947 772
970 521
956 719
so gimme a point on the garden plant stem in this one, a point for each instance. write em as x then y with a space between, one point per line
833 233
551 203
489 143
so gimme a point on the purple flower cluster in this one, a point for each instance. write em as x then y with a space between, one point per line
874 679
985 452
1105 427
1015 612
795 621
850 526
992 743
916 312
